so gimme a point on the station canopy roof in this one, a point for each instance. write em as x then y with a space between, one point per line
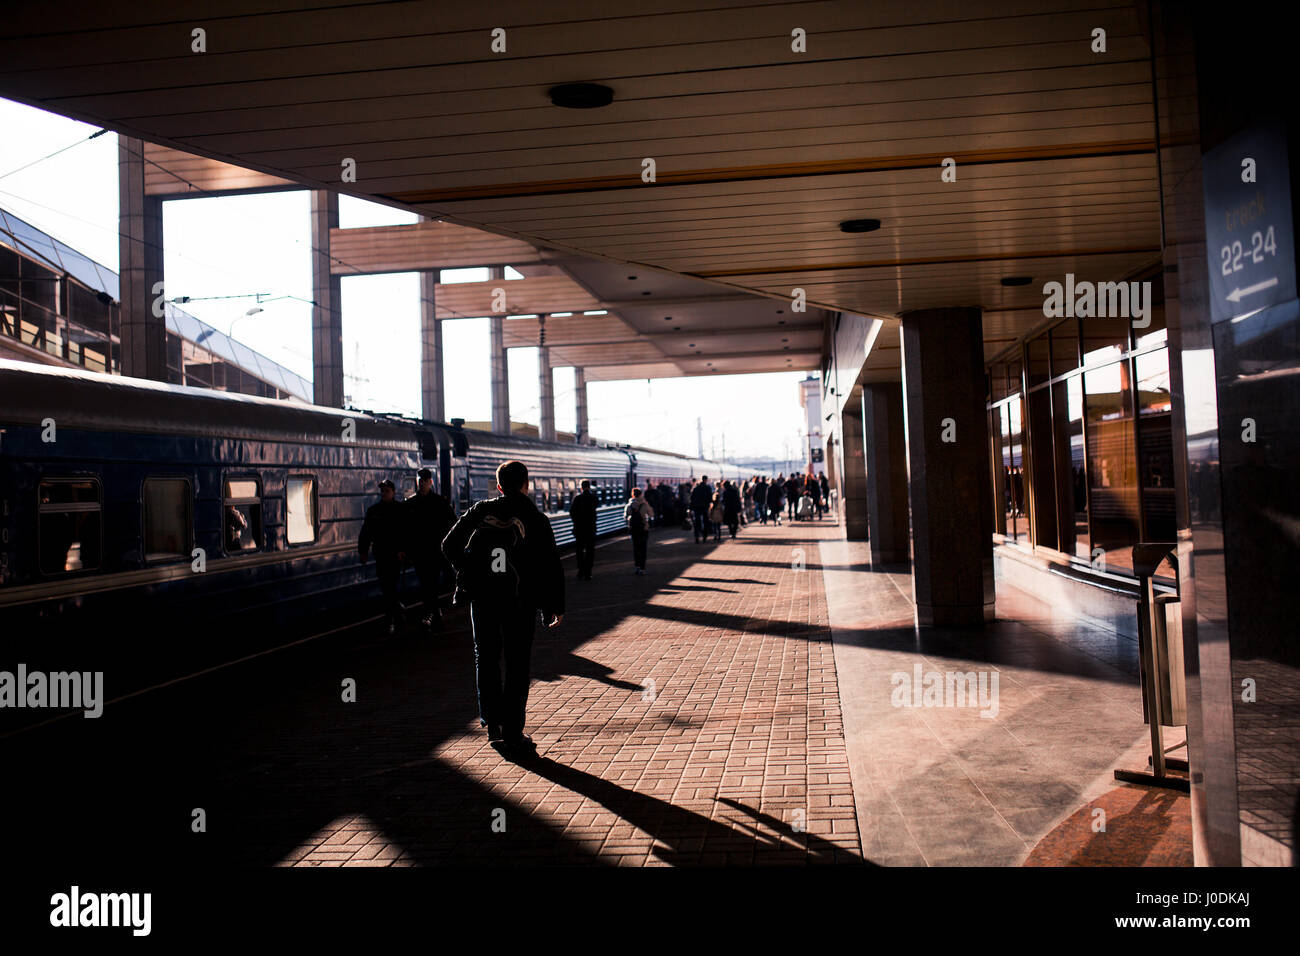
763 144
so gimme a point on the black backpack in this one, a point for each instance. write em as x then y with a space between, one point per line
496 560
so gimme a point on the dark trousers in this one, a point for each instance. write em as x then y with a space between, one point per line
502 627
639 536
760 509
389 569
586 545
701 525
430 572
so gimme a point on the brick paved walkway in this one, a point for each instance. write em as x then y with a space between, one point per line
690 716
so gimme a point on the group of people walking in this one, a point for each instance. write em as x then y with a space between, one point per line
704 509
507 566
408 533
799 496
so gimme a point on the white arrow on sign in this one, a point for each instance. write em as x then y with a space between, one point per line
1236 295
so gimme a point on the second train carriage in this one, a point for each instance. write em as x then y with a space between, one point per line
115 493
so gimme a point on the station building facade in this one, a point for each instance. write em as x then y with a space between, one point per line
1098 432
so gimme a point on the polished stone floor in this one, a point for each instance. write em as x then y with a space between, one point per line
939 783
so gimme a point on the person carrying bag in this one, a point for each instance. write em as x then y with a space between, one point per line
637 513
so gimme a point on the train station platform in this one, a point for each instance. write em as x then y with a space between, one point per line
739 704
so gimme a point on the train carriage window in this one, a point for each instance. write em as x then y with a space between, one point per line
167 524
300 510
69 536
242 515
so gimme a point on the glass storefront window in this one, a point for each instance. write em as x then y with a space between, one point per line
1065 347
1040 365
1016 485
1104 339
1155 333
1072 488
1112 465
1041 473
1155 441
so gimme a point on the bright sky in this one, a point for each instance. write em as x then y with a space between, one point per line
240 245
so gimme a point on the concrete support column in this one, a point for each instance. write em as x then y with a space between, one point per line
433 395
327 314
140 247
885 449
500 368
545 395
580 406
853 485
947 464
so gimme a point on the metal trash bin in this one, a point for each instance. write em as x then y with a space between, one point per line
1160 657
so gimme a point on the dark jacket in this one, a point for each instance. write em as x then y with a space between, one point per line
792 488
701 497
428 519
541 574
384 530
775 495
825 487
731 502
583 512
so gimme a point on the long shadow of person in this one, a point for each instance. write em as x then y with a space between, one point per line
682 836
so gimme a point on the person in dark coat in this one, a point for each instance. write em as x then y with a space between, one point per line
384 531
429 518
701 502
731 506
583 512
512 575
792 486
826 492
775 498
760 499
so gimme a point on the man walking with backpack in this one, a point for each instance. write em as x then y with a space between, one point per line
638 514
506 561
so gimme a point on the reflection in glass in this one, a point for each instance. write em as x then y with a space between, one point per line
300 511
1112 464
1072 488
1040 367
1155 438
69 532
1017 490
1104 339
166 519
1065 347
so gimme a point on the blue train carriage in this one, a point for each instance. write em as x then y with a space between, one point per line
140 515
555 473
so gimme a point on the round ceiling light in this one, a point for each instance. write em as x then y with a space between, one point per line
859 225
581 96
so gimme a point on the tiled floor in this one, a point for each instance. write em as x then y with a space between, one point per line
701 714
688 716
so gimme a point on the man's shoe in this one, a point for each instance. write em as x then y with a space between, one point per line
520 744
494 733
